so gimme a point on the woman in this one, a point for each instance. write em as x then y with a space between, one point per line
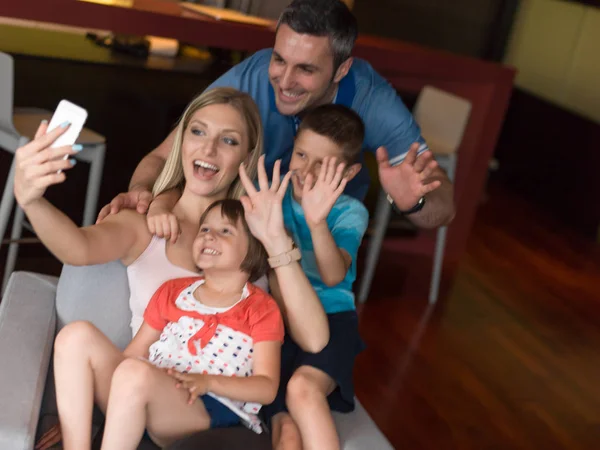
219 130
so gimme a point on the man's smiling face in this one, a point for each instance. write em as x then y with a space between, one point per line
301 71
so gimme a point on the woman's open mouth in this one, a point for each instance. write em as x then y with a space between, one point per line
205 169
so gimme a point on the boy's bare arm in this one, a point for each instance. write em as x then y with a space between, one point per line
317 202
332 261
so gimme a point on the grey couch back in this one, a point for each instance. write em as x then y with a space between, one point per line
98 294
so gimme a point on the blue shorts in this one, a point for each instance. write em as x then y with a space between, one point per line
336 360
220 415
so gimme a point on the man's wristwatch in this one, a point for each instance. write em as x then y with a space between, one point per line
414 209
283 259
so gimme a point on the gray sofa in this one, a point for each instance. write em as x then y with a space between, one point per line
35 307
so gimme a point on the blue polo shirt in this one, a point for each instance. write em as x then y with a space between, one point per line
387 120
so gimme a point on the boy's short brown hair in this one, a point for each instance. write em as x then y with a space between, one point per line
255 264
338 123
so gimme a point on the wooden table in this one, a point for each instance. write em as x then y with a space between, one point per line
407 66
73 45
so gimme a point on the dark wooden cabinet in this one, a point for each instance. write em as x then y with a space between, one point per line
469 27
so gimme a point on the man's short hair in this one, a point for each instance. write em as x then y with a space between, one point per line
340 124
255 264
330 18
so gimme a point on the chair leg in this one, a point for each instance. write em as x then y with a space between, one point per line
8 200
93 187
13 248
440 242
382 217
438 263
6 206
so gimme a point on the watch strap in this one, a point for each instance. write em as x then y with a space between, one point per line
283 259
414 209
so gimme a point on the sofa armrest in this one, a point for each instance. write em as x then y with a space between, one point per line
27 328
357 430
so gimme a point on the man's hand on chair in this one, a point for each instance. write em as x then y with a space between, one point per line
137 198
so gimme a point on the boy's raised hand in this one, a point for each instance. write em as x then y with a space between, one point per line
318 199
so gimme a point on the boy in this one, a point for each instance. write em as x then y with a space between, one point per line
328 228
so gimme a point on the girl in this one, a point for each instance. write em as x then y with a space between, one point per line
219 336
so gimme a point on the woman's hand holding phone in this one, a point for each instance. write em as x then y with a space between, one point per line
38 164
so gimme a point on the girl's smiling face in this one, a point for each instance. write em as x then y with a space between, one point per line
220 244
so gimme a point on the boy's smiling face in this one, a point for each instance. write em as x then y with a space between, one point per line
309 151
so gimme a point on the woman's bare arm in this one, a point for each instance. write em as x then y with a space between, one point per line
121 236
301 307
39 165
303 310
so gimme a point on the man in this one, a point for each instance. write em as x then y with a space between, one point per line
309 65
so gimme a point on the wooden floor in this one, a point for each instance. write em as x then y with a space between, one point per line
508 359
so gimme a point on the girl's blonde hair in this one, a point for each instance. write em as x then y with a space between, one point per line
172 174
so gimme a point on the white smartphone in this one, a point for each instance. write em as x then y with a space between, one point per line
68 112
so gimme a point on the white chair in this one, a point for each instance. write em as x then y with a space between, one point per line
443 118
16 129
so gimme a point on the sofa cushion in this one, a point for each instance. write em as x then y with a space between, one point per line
357 430
26 330
98 294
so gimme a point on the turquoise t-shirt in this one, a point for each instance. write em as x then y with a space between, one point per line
347 222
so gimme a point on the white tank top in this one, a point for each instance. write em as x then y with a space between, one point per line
146 274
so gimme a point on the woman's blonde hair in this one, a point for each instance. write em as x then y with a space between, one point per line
172 174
